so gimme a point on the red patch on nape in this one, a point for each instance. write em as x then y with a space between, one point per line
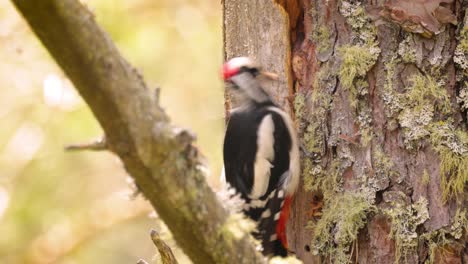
229 71
281 226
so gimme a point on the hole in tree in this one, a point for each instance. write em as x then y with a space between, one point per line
379 197
307 248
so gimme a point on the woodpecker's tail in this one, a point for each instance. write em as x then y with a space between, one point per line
271 217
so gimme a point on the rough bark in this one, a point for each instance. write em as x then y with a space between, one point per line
271 37
161 159
379 93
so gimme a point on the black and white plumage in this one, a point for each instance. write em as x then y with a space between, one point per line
261 155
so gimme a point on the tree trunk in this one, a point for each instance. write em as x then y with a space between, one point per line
379 92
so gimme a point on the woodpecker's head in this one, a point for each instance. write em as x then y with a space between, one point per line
242 74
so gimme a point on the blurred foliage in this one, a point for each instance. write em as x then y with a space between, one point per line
58 207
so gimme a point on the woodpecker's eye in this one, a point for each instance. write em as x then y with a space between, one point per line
254 71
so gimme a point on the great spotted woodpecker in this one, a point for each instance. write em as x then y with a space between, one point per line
261 155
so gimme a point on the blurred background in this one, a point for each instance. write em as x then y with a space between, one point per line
58 207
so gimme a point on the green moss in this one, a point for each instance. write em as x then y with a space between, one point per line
360 23
459 224
382 162
313 142
366 136
356 62
342 218
383 165
320 97
462 98
405 219
309 173
426 90
452 147
357 59
312 138
313 134
364 120
321 37
464 38
454 173
421 101
343 214
393 101
461 51
354 13
415 123
319 180
299 104
417 107
364 113
406 49
442 240
435 241
444 134
314 121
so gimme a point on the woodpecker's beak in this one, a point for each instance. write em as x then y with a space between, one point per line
270 75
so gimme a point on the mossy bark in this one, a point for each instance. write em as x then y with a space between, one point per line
162 160
381 110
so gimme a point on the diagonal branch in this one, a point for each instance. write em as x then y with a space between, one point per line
161 159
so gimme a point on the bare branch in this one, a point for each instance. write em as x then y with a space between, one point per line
165 251
166 169
97 145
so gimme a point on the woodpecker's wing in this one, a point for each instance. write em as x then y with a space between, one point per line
257 149
240 147
282 149
256 152
269 217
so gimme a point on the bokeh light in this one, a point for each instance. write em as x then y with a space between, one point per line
80 207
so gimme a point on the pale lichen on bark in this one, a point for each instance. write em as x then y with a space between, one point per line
409 102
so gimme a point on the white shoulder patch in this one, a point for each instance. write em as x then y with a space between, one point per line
264 157
292 181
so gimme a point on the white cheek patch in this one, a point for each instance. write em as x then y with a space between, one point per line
249 87
265 154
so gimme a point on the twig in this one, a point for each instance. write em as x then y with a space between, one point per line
96 145
165 251
138 131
